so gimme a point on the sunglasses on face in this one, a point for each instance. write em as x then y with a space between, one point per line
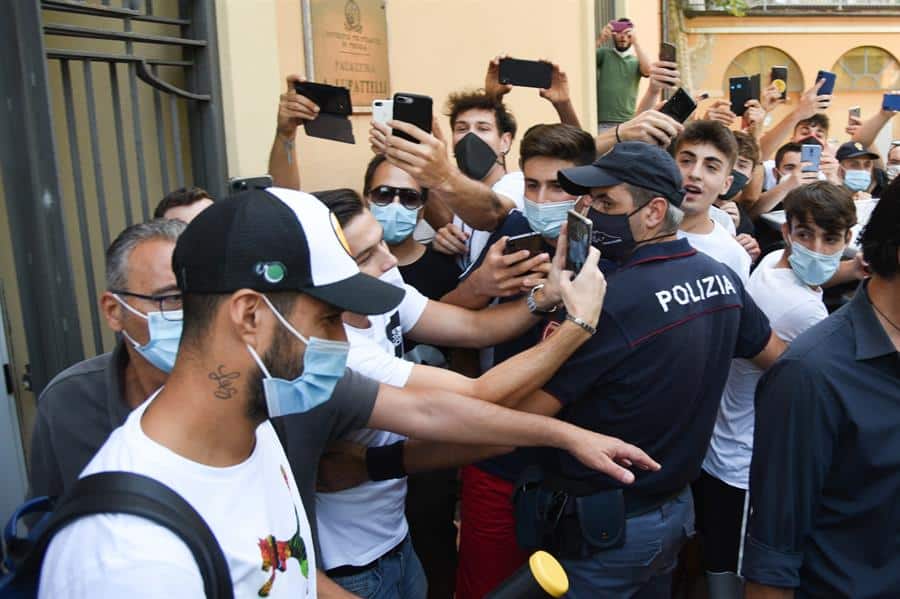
385 194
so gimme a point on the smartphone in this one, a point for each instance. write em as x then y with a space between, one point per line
810 153
414 109
891 101
239 184
778 75
331 99
680 106
526 241
854 111
667 52
620 26
580 231
526 73
740 92
827 87
382 111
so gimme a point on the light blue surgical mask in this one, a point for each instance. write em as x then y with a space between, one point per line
812 267
857 180
397 220
324 362
165 333
547 219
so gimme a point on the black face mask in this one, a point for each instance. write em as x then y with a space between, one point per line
612 234
474 157
737 184
811 140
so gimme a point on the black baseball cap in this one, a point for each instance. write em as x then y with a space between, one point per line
854 149
633 162
276 240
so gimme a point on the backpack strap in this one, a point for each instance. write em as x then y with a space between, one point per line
139 495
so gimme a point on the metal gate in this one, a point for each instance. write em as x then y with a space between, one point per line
110 104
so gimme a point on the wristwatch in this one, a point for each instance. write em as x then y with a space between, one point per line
532 304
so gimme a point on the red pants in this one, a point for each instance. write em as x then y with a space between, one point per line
488 553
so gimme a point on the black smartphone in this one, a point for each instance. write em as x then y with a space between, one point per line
331 99
414 109
811 153
668 52
740 92
680 106
580 230
755 87
828 87
526 73
778 75
526 241
239 184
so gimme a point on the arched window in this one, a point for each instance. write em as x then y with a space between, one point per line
867 68
760 60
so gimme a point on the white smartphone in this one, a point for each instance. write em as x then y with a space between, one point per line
382 111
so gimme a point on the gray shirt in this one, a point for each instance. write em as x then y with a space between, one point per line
83 404
75 414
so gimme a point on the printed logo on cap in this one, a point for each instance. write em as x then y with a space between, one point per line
339 233
858 146
272 272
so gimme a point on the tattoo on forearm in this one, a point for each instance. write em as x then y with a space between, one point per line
225 380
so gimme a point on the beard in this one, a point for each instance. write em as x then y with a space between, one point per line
622 47
283 362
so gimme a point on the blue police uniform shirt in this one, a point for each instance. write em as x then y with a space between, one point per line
825 476
654 372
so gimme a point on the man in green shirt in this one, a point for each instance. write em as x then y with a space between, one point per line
619 70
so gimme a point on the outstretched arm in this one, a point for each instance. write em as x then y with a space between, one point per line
293 110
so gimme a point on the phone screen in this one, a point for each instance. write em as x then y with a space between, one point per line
810 153
579 238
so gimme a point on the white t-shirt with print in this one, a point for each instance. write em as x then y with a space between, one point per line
721 245
253 508
792 307
511 185
358 525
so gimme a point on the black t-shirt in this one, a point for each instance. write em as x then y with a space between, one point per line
653 375
434 274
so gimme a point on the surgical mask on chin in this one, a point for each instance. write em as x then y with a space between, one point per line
739 181
612 234
474 157
812 267
397 220
892 170
165 333
324 362
857 180
547 219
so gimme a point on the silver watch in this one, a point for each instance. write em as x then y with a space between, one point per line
532 304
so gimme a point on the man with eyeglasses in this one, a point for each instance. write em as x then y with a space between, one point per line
84 403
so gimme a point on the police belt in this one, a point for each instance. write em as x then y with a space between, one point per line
636 503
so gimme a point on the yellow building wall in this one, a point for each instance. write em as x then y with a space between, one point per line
813 42
435 47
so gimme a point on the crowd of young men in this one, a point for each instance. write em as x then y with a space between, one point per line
299 366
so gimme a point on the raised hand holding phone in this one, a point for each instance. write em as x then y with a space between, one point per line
582 296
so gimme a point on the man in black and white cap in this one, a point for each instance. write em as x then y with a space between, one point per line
653 374
858 171
265 277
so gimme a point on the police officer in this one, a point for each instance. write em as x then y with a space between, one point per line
652 374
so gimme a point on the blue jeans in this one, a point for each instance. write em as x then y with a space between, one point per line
397 576
642 568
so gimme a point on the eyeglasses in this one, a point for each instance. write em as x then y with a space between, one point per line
383 195
170 304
